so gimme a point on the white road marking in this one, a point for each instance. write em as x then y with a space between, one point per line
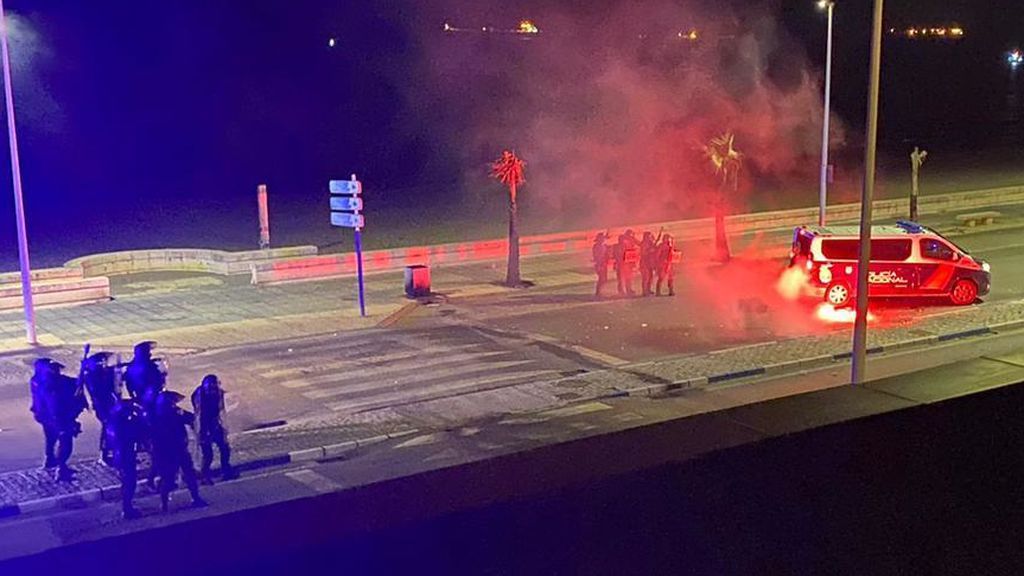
419 441
374 382
302 376
318 482
431 392
379 374
577 410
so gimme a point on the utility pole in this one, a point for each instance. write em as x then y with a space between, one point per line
860 325
823 190
19 205
916 160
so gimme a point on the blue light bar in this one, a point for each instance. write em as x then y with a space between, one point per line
911 226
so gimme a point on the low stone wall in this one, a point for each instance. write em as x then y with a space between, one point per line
328 266
60 291
183 260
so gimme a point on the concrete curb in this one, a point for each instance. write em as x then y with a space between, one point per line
112 493
782 368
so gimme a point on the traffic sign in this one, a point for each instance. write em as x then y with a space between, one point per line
346 220
353 203
345 186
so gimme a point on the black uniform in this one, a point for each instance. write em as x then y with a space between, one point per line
101 383
627 256
145 381
60 404
144 378
648 263
170 447
40 408
666 255
125 431
208 403
599 254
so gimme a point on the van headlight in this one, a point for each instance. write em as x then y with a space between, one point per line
824 274
985 266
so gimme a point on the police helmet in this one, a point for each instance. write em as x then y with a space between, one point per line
98 359
210 381
144 348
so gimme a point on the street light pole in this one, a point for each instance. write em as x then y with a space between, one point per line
860 326
829 6
19 205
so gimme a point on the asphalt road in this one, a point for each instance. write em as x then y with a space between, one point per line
718 306
630 488
437 354
345 373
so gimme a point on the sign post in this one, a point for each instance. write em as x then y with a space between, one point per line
261 203
346 208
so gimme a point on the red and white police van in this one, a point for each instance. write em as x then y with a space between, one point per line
907 260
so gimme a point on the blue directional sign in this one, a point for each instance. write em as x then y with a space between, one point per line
344 186
346 220
353 203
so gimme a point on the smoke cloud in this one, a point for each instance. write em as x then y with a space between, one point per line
610 105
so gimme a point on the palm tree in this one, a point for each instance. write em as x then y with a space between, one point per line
726 161
509 171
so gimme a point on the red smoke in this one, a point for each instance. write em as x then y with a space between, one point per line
611 107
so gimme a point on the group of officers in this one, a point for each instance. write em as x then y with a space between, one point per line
136 412
653 255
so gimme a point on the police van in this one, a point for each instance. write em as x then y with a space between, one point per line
907 260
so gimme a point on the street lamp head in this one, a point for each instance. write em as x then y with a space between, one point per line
825 4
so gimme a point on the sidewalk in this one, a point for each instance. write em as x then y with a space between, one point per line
34 490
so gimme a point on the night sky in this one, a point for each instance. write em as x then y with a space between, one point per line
127 107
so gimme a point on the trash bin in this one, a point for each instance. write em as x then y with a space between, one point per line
417 281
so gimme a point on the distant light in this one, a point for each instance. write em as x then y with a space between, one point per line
1015 58
527 27
823 4
331 42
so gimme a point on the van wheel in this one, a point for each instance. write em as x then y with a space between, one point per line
838 294
964 292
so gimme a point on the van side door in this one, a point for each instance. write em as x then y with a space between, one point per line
890 272
937 268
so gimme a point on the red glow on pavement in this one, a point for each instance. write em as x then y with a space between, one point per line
828 313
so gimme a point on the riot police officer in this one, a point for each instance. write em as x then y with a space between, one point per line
170 447
144 376
100 381
627 256
125 429
40 409
145 380
666 256
208 403
648 263
60 402
599 255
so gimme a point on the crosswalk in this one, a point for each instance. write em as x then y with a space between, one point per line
356 372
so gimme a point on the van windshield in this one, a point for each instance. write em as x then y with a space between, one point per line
953 244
